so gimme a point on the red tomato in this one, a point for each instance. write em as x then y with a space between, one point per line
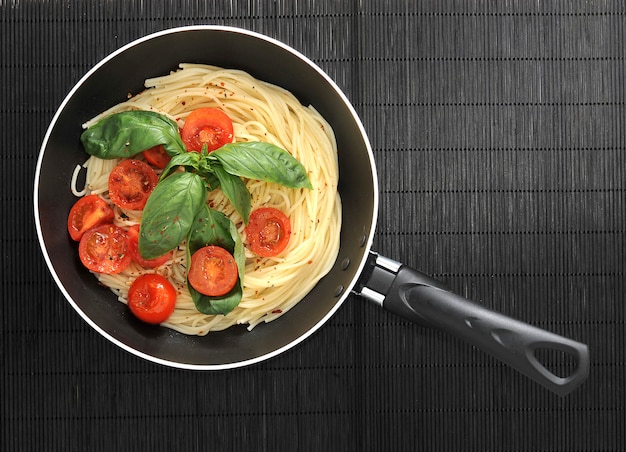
104 249
87 212
157 156
208 126
213 271
151 298
133 250
268 231
130 184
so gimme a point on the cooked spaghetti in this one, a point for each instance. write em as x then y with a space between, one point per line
259 112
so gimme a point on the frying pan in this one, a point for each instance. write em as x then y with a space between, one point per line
358 270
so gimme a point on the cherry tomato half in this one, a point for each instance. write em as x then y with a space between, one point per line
213 271
104 249
268 231
152 298
130 184
87 212
208 126
157 156
133 250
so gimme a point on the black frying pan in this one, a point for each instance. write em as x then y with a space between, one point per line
395 287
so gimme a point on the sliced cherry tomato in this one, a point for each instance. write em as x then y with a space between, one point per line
213 271
104 249
268 231
130 184
133 250
87 212
157 156
208 126
152 298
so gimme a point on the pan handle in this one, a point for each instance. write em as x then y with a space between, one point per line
422 299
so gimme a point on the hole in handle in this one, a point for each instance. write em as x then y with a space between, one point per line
558 362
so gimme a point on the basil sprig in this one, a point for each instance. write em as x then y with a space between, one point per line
177 209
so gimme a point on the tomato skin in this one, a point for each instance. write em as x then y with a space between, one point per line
152 298
209 126
213 271
130 184
268 231
157 156
87 212
133 250
104 249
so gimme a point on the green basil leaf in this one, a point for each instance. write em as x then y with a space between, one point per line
216 305
169 213
235 190
262 161
211 227
206 168
239 253
126 134
190 160
212 182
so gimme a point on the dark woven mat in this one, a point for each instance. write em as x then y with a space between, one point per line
498 131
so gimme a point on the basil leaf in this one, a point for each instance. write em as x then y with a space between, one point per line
126 134
212 182
238 252
216 305
169 213
190 160
262 161
211 227
206 170
235 190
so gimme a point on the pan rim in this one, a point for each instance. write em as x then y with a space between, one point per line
368 235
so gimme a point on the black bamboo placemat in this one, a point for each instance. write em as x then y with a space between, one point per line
498 132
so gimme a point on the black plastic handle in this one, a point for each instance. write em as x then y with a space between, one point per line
422 299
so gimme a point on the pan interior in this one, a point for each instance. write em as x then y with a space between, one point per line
124 72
